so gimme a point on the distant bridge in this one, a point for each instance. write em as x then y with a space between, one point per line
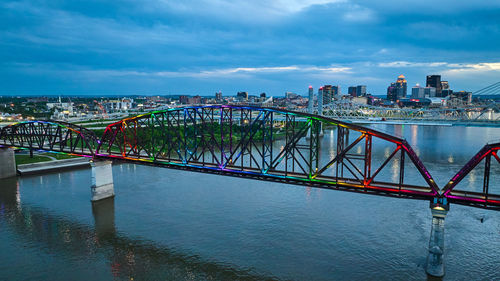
491 91
348 110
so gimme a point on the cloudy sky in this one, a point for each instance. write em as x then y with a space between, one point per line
203 46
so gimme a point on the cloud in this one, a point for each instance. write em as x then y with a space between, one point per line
444 66
181 45
276 7
207 73
405 64
357 13
476 67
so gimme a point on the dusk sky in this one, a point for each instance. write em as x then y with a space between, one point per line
202 46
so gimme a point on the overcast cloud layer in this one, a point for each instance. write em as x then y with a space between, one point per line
202 46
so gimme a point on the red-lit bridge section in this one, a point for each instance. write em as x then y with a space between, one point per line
487 156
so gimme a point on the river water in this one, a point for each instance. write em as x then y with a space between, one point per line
174 225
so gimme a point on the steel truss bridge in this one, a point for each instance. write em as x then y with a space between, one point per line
266 144
350 110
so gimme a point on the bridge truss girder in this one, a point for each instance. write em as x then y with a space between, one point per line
244 141
261 143
485 198
53 136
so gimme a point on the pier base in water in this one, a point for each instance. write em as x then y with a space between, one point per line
435 264
104 217
321 134
102 180
7 163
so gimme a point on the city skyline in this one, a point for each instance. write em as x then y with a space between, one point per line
199 47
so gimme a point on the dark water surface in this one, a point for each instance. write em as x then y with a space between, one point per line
174 225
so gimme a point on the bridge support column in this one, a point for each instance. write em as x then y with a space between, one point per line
7 163
435 258
321 134
102 180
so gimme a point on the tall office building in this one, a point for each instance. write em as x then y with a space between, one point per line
361 90
357 91
320 101
311 100
445 90
218 96
352 91
430 92
417 92
327 94
397 90
435 82
336 91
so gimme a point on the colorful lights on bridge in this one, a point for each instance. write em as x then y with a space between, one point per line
226 164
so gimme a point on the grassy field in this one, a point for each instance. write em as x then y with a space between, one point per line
43 157
60 156
26 159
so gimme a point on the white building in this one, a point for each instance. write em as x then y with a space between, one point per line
118 105
61 109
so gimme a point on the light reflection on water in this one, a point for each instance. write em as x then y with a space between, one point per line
174 225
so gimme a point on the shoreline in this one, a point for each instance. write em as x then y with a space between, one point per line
55 165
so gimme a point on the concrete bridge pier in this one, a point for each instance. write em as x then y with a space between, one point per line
102 180
321 134
435 258
7 163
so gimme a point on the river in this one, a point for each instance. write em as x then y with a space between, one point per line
175 225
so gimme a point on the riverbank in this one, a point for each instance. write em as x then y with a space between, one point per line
47 166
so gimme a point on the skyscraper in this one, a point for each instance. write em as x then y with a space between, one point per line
398 89
445 89
392 93
311 100
417 92
218 96
435 82
430 92
361 90
352 91
320 101
327 94
357 91
336 90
